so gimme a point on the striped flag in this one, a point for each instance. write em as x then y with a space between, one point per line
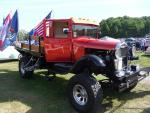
9 31
39 29
5 29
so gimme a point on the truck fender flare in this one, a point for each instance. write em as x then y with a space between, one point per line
92 62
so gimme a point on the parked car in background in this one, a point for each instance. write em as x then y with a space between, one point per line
130 41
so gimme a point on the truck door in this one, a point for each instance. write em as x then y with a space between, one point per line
59 47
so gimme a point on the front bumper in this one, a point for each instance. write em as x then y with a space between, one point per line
127 72
131 77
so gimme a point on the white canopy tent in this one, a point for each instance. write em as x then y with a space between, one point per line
9 53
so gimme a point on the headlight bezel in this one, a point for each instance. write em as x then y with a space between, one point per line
118 51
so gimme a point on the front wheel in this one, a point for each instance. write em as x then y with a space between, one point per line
85 93
22 72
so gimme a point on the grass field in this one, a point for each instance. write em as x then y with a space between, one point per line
38 95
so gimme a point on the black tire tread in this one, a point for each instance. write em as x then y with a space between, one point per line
87 82
27 74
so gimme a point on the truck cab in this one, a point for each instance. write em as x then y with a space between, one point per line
60 35
66 40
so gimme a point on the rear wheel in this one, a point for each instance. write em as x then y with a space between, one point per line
22 71
85 93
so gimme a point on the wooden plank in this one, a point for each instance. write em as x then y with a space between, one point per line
34 48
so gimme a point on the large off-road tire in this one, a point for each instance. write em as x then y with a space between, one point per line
85 93
22 72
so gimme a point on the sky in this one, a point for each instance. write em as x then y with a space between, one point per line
31 12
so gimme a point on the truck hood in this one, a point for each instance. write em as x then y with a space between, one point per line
88 42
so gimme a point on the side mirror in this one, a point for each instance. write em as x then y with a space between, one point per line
66 30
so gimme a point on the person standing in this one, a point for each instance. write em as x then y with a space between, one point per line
143 45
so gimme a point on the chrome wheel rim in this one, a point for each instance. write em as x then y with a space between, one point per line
80 94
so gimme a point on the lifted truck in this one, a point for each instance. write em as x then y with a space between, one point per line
72 46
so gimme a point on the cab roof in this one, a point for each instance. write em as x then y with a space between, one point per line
84 21
80 21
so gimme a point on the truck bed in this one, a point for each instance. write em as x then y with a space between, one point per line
35 50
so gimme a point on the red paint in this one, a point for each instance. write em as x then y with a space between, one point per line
70 49
87 42
1 44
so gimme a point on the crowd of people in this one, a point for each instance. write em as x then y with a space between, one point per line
139 44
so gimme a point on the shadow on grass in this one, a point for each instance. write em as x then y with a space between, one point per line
110 95
146 110
144 55
39 94
8 60
50 97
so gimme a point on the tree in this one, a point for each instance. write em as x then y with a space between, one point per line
104 29
22 35
125 27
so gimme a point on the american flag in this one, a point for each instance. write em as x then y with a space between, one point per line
39 29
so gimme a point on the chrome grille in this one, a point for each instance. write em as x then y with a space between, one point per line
123 52
122 59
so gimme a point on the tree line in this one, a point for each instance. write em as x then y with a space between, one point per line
123 27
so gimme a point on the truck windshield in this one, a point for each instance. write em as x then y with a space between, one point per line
85 30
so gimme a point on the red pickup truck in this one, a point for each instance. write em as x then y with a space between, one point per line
73 46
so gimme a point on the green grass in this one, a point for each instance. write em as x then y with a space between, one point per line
144 60
31 96
37 95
